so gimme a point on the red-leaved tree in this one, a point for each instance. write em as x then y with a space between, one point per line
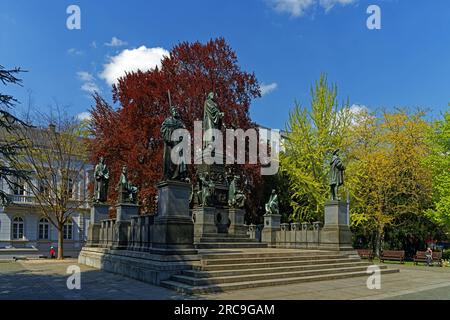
131 134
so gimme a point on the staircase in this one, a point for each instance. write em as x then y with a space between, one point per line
223 270
225 240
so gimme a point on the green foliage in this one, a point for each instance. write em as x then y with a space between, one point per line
313 133
446 254
439 162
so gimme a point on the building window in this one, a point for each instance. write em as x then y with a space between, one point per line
19 188
68 230
44 228
70 188
17 228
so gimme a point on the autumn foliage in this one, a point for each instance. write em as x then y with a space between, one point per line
130 134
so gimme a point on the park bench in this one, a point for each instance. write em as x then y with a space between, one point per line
421 257
365 253
393 255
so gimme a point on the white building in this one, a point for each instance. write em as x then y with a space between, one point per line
25 231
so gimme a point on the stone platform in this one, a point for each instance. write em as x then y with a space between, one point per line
232 269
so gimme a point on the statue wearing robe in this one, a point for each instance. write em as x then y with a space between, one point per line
212 119
272 205
126 190
101 173
236 198
336 175
172 171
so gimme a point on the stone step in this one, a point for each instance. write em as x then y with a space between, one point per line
251 271
265 276
188 289
229 245
223 235
278 258
229 239
238 266
263 254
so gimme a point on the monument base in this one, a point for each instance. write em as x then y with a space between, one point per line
173 228
236 217
99 212
142 266
271 226
205 221
336 234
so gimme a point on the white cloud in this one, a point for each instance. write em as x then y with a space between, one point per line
298 8
85 76
94 44
90 87
357 109
89 84
84 116
129 60
267 88
116 42
74 52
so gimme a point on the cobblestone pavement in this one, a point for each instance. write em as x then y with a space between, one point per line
46 279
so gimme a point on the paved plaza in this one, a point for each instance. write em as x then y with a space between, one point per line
46 279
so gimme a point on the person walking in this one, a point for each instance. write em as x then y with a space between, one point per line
429 256
52 252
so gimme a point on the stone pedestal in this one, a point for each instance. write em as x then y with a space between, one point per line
271 226
205 221
173 229
236 217
99 212
125 211
336 234
121 235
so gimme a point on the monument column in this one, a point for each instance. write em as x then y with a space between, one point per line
99 212
336 234
173 229
271 226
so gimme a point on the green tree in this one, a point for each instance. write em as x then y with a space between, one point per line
8 123
387 179
439 163
312 134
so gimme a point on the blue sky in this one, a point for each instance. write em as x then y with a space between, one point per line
287 43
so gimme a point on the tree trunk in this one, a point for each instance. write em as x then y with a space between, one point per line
377 243
60 242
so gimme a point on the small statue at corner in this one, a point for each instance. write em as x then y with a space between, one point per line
126 190
336 175
272 205
101 174
236 197
205 195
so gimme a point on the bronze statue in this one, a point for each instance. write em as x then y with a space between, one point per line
272 205
336 175
170 124
127 191
236 198
101 174
212 119
205 195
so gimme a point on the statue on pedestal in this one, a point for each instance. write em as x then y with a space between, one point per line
272 205
101 174
236 198
127 191
212 119
205 195
172 171
336 175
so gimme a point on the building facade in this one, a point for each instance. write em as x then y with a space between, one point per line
24 230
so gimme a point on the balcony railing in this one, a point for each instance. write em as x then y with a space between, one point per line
25 199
